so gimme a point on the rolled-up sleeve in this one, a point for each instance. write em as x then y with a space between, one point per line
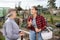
9 31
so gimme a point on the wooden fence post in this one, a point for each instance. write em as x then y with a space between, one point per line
21 37
36 36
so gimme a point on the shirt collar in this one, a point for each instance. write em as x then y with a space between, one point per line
10 19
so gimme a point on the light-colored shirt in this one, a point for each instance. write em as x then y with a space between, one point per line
11 29
34 23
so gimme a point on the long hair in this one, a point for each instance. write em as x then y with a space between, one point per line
36 8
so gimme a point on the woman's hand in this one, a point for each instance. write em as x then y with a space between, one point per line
21 33
30 23
37 30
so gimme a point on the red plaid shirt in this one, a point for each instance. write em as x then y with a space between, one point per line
40 21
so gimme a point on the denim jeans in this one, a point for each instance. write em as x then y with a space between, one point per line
32 35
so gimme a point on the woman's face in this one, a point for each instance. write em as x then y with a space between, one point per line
33 11
14 14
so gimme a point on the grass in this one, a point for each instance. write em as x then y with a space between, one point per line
55 18
48 16
1 36
1 24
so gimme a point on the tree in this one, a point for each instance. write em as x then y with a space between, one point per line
40 9
18 8
51 3
51 6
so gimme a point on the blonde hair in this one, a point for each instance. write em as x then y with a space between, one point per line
10 10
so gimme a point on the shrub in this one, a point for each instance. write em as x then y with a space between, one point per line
1 36
51 19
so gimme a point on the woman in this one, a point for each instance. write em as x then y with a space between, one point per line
10 28
36 23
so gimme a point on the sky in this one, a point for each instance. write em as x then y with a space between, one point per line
26 4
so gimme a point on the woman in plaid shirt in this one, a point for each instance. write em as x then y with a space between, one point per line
36 23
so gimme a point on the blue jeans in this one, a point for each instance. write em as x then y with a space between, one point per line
32 35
